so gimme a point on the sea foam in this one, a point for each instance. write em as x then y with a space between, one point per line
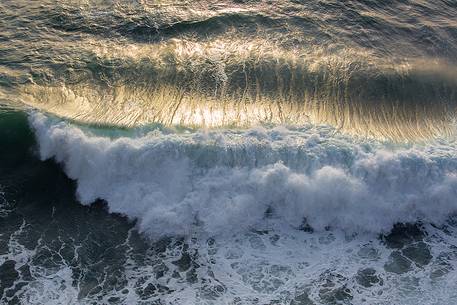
223 181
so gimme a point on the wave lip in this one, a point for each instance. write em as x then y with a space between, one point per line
220 182
362 67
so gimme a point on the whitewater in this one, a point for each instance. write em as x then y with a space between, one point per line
226 180
245 152
268 215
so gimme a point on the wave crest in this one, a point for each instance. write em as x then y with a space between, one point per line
219 182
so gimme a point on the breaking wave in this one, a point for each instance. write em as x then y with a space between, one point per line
250 152
220 181
213 89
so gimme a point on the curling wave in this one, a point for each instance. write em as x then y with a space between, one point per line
177 184
221 84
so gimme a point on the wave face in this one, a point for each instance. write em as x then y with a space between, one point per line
361 66
223 181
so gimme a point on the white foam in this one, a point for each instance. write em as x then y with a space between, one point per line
226 181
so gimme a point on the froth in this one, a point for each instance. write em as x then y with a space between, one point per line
227 181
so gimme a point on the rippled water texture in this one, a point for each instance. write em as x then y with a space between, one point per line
384 69
228 153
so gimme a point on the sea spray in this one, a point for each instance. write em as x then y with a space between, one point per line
219 181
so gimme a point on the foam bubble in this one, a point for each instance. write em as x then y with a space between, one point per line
228 181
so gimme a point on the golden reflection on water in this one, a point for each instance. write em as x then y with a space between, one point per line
234 83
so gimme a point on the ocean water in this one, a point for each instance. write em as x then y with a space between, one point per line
228 152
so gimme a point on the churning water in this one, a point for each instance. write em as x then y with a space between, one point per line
228 152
